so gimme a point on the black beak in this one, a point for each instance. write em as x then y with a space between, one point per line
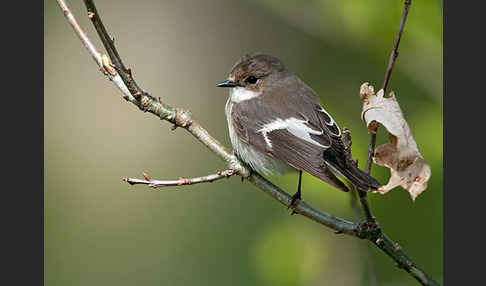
226 83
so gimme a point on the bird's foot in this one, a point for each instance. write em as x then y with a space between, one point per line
295 197
251 173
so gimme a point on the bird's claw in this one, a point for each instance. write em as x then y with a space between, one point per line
294 199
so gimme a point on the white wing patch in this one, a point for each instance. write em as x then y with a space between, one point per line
278 124
293 125
332 120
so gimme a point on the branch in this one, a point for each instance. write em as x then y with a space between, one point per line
372 145
389 69
347 140
181 181
394 53
371 148
98 58
182 118
177 116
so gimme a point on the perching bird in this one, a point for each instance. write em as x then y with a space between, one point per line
276 124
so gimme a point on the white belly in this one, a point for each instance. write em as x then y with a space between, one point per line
257 160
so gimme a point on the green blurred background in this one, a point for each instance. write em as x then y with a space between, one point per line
101 231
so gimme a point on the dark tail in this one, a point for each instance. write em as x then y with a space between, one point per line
350 171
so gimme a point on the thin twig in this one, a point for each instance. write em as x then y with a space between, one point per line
181 181
371 151
182 118
389 69
370 265
109 44
366 206
371 148
347 140
394 53
362 193
98 58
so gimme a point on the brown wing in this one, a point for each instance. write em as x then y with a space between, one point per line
290 136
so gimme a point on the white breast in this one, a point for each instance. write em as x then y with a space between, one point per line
257 160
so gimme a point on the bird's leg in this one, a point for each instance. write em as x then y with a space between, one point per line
297 195
248 166
251 173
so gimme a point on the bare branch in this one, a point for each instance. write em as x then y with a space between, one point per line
389 69
98 58
347 140
362 193
394 53
109 44
181 181
372 145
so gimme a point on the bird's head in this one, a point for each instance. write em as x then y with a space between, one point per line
253 71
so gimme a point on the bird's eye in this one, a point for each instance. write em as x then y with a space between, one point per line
251 79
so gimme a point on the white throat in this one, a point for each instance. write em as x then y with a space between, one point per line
239 94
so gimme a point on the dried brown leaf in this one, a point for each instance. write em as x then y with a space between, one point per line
407 166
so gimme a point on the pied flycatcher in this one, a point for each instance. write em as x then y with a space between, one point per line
276 124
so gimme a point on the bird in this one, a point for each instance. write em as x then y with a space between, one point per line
277 125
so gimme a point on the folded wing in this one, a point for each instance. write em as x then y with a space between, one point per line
294 137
